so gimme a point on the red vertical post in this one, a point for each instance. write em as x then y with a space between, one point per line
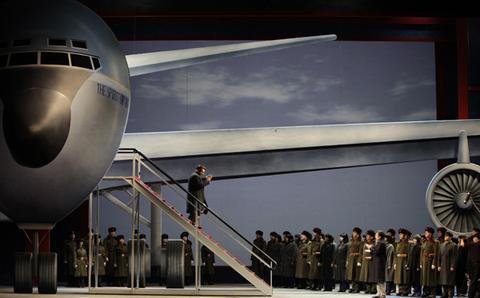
462 67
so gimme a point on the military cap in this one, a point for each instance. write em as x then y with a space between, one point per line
307 234
317 230
442 229
392 231
430 229
184 234
358 230
143 236
371 233
164 236
120 237
258 232
402 231
273 234
112 229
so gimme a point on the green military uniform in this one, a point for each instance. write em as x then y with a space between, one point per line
428 274
366 268
352 272
401 276
81 265
314 257
120 261
69 258
102 259
303 268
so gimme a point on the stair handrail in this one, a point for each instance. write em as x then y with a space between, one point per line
273 263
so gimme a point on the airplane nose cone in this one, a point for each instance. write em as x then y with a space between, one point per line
36 124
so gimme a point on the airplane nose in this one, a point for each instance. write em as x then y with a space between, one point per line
36 123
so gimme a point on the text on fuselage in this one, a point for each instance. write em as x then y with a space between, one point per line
113 94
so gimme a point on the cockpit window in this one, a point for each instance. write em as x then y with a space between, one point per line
23 58
54 58
81 61
96 63
50 58
21 43
79 44
57 42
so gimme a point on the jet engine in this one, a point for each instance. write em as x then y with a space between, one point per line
453 196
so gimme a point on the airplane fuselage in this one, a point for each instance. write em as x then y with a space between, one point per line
65 98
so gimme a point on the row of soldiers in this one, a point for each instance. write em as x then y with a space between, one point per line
113 259
110 258
424 264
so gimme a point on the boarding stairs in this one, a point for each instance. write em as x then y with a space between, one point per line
141 162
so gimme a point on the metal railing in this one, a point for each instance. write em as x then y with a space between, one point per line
140 162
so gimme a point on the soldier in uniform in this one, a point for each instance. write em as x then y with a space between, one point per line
303 268
354 260
401 276
188 259
109 243
429 263
340 262
102 260
208 265
447 265
289 261
120 261
81 264
314 259
261 244
69 258
366 268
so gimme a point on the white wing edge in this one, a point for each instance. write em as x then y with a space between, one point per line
140 64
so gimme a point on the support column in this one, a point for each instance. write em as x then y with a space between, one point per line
156 228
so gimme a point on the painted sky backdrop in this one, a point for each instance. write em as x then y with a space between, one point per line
328 83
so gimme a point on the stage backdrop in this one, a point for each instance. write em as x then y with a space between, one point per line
329 83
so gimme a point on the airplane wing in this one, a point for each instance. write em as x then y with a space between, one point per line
233 153
140 64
